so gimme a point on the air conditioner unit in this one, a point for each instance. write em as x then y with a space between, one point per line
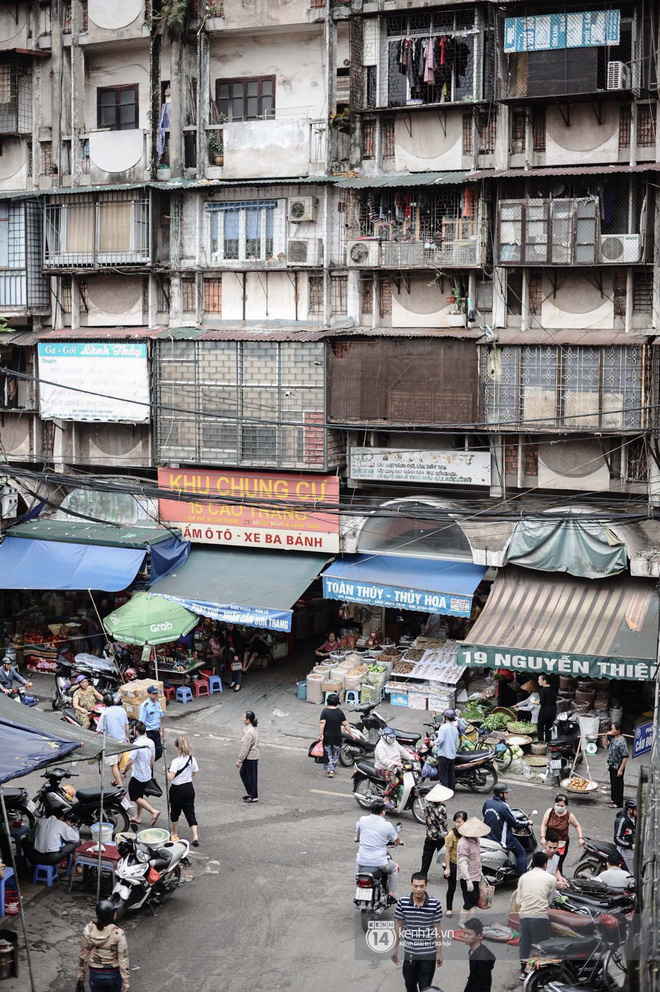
620 247
618 76
303 208
305 251
360 253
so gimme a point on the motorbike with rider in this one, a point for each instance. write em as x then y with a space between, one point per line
12 683
389 757
502 821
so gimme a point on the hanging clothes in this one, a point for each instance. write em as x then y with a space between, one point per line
163 126
429 62
468 202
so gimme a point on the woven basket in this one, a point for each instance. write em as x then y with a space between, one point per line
314 692
321 669
353 681
539 748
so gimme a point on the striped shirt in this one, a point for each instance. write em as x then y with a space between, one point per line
419 922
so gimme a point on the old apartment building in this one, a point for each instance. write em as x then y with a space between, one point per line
412 242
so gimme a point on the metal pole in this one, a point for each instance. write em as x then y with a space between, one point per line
103 630
33 987
162 740
98 867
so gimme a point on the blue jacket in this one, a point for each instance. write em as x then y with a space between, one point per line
501 819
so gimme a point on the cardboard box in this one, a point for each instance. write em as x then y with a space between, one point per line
133 694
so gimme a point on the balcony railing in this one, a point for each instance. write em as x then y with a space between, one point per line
286 146
81 231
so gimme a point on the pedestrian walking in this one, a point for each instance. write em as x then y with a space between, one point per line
548 710
114 721
468 863
625 830
436 824
104 951
446 748
536 890
331 722
182 791
451 848
481 958
141 766
559 819
151 715
617 759
248 758
234 656
417 919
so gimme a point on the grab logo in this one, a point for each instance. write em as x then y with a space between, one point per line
157 627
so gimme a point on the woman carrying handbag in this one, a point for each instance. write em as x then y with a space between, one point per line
248 758
182 791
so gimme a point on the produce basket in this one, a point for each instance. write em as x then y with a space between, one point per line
570 785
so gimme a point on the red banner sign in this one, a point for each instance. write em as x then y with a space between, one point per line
275 510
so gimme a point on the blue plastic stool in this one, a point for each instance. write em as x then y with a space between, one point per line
331 693
352 696
184 694
215 683
9 874
45 873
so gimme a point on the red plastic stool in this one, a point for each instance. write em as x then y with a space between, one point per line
200 688
170 692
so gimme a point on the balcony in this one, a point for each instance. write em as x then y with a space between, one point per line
285 147
15 98
84 231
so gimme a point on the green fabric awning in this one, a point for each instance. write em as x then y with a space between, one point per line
607 628
81 532
579 546
148 619
52 723
236 585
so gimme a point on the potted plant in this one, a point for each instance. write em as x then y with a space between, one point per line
456 316
215 148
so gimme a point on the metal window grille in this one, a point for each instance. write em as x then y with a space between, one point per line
222 388
389 139
366 295
30 159
65 295
403 75
625 120
162 294
561 231
339 294
643 292
46 157
15 98
487 130
213 295
188 295
467 134
317 3
645 125
87 230
66 17
84 6
315 296
82 289
535 293
575 387
619 293
385 297
636 460
538 129
518 131
369 139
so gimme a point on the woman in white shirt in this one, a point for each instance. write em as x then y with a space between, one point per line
182 791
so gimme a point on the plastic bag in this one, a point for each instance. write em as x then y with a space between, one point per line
317 751
486 893
428 771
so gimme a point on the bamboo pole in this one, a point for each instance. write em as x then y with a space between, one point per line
33 987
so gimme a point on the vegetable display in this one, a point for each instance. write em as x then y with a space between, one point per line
520 727
496 721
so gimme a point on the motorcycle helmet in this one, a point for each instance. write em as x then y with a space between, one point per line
629 803
130 674
500 788
105 911
69 791
108 700
388 733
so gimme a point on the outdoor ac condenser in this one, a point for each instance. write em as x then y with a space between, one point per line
362 253
620 247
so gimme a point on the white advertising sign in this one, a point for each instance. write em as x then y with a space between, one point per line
113 375
466 468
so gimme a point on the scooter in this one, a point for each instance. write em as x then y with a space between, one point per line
83 806
595 855
69 715
497 862
587 960
371 896
20 808
475 770
607 900
369 786
147 874
354 747
103 673
372 723
563 747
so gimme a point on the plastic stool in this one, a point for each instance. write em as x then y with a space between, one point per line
184 695
9 874
200 688
18 833
214 683
45 873
170 692
331 693
352 696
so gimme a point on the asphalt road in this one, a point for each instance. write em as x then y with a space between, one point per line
268 902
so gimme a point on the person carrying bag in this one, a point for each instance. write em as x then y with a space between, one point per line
182 791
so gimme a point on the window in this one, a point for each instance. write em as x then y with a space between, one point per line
535 294
518 131
366 296
385 297
242 231
213 295
389 140
643 292
188 295
338 294
645 125
315 296
576 387
248 99
538 129
5 84
162 294
407 76
65 294
467 134
562 231
369 139
4 236
487 128
625 118
117 107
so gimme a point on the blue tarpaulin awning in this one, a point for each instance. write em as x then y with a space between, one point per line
422 584
24 749
31 564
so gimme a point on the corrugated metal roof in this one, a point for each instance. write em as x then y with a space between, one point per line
404 179
459 333
26 338
247 331
173 184
563 170
567 336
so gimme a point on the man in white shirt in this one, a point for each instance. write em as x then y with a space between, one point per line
551 848
535 892
114 721
141 765
50 840
615 877
373 833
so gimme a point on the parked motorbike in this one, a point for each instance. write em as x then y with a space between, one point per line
83 806
357 746
576 900
366 735
369 786
69 715
103 673
595 855
20 808
147 874
498 863
371 896
474 770
563 747
597 959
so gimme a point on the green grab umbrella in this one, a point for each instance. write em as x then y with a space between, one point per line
148 619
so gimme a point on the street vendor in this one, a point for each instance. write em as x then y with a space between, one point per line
532 704
84 699
329 645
